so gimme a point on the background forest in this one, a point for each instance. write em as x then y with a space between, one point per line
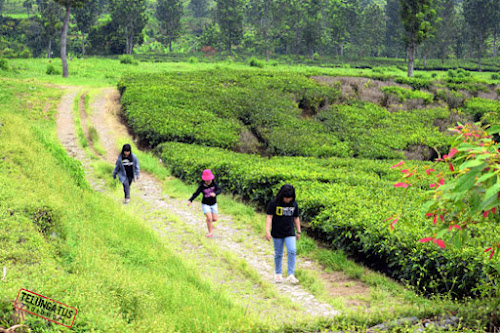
303 31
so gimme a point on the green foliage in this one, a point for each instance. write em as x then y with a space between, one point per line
373 132
4 65
415 83
481 108
346 201
254 62
404 94
460 73
127 59
193 60
495 76
52 70
215 108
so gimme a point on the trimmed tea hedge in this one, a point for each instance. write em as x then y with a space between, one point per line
275 113
346 201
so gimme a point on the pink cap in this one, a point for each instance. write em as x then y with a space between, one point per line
207 175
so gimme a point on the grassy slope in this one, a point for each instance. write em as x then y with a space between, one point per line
102 260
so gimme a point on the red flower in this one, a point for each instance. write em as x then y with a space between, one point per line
428 171
451 168
393 223
452 153
492 251
438 242
455 226
399 164
441 181
403 185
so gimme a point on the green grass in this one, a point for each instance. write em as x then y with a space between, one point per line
103 260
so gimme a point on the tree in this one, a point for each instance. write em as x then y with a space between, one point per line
260 14
313 27
394 29
86 17
495 19
373 29
28 4
49 17
479 21
67 4
445 27
130 16
337 24
230 19
416 16
199 8
1 7
168 13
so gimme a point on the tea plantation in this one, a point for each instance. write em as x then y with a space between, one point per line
242 124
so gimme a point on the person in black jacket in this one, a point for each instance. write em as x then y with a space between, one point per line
127 169
282 216
210 190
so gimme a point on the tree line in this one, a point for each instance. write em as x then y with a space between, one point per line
311 28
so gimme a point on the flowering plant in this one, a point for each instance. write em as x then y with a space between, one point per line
464 193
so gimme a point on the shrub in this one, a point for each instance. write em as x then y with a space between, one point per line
26 53
481 107
193 60
4 65
127 59
404 94
52 70
254 62
415 83
200 107
346 201
495 76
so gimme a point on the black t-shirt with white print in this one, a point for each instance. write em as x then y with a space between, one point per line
128 164
283 216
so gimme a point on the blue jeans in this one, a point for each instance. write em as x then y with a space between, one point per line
291 249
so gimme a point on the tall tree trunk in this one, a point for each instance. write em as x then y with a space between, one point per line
64 35
49 49
411 58
495 48
83 44
170 46
479 59
342 49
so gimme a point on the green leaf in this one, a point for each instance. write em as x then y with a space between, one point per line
466 182
471 164
493 129
484 177
490 197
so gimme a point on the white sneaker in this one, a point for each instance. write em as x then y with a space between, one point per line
292 279
278 278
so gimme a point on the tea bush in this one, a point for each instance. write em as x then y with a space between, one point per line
347 202
288 114
404 94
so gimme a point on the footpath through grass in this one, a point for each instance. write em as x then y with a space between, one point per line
62 240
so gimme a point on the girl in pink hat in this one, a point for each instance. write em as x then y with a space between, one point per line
210 190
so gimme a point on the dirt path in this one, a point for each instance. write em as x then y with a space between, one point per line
253 249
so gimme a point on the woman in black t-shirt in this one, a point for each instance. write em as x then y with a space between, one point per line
282 215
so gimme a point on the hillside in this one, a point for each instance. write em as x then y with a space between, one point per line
66 235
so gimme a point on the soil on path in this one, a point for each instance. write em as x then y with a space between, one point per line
253 249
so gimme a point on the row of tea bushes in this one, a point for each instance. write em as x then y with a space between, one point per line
278 113
346 202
